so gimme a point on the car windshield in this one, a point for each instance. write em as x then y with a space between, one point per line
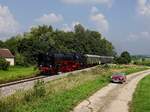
119 74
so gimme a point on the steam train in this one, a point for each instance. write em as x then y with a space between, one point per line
54 63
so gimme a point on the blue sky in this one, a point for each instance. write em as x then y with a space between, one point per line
126 23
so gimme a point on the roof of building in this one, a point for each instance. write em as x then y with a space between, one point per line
5 53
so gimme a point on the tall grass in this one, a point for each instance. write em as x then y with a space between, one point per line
9 104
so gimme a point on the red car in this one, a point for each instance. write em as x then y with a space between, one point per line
118 77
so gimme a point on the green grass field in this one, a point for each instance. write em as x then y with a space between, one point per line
16 73
141 98
62 94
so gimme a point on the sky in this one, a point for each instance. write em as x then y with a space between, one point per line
126 23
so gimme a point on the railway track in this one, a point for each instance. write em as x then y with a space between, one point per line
8 89
22 81
39 77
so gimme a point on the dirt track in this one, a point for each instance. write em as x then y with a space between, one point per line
113 97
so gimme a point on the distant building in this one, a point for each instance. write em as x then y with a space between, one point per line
5 53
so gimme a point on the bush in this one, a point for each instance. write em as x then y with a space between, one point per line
39 88
4 65
38 91
21 60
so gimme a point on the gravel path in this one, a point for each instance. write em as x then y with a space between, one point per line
113 97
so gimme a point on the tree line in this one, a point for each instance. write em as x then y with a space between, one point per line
43 38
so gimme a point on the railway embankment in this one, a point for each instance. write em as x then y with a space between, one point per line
10 88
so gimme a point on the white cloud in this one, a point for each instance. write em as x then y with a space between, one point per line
50 18
8 25
99 20
94 9
144 7
107 2
68 28
145 34
139 36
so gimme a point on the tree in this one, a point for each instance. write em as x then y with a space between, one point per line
12 43
20 60
44 38
2 44
79 28
124 58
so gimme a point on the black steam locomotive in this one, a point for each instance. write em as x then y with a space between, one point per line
53 63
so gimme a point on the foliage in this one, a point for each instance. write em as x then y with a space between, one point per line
39 88
4 65
44 38
20 60
38 91
12 43
124 58
2 44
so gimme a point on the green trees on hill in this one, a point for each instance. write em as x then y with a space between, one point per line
43 38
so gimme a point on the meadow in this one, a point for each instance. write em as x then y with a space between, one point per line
16 73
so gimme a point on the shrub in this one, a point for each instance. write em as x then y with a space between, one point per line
21 60
4 65
39 88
